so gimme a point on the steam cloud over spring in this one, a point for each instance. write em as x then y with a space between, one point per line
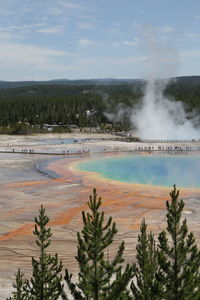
159 117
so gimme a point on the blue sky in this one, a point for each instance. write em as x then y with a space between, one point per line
51 39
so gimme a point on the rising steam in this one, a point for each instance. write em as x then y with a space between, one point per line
159 117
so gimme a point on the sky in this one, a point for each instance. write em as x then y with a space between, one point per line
84 39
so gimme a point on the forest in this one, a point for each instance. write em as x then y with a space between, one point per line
25 109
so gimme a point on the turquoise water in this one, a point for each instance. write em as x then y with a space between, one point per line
184 171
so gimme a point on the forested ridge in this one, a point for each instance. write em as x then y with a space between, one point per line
186 91
84 105
53 104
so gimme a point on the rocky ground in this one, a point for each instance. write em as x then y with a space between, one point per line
24 189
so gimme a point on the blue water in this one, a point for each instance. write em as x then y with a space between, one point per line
63 141
184 171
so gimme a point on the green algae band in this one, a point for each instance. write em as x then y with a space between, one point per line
184 171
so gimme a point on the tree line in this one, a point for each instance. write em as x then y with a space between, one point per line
26 109
164 269
84 106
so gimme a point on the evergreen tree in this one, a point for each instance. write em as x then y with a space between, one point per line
99 278
19 293
179 257
145 285
45 283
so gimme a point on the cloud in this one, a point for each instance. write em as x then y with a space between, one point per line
18 55
191 54
85 26
32 10
101 67
56 11
4 11
18 58
131 43
16 8
115 30
60 7
20 28
167 29
161 29
5 36
69 4
124 60
52 30
86 42
193 37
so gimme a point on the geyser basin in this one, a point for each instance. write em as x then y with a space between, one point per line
184 171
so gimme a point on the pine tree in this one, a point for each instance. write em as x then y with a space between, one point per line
98 278
45 283
179 257
145 285
19 293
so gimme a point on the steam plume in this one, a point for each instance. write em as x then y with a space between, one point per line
159 117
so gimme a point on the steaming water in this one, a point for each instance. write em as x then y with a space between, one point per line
159 117
184 171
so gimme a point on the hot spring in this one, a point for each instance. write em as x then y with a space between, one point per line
157 170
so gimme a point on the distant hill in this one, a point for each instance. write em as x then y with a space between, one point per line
79 82
189 80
